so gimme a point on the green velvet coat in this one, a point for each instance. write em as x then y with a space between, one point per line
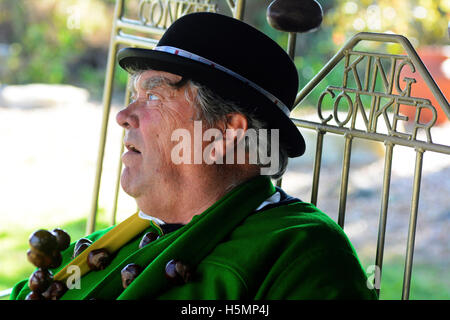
292 251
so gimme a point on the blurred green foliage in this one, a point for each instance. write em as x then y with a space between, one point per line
56 42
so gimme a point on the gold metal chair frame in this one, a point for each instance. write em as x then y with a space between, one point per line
366 87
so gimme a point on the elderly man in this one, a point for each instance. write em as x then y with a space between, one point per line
211 225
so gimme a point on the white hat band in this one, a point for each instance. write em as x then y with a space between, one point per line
192 56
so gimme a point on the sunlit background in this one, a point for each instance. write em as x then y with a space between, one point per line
52 66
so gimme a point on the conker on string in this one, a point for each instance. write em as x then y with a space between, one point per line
39 259
177 272
34 296
98 259
129 273
147 238
56 260
45 253
40 280
80 246
62 238
82 241
43 241
55 290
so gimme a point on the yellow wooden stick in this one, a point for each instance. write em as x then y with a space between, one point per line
112 241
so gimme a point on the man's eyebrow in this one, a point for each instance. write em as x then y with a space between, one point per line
153 82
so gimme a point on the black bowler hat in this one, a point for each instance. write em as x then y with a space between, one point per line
234 60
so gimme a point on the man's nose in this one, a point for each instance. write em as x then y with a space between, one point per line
126 118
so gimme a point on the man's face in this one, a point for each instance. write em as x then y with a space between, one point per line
156 110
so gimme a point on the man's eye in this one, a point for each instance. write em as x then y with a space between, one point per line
152 97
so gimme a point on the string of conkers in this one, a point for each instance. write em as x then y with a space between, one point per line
45 253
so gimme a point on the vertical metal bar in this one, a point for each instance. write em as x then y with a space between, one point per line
278 183
412 224
367 73
103 132
344 180
292 39
239 7
119 166
117 188
119 10
317 164
107 91
291 51
383 211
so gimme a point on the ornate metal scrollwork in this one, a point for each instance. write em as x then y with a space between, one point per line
376 78
161 13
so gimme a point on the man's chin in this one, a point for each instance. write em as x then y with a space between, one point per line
129 191
127 186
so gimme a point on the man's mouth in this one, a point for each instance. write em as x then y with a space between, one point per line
132 148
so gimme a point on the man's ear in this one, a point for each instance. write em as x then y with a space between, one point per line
236 126
233 130
236 121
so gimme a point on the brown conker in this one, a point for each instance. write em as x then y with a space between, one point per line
34 296
129 273
177 272
43 241
147 238
62 238
98 259
56 260
55 290
40 280
39 259
80 246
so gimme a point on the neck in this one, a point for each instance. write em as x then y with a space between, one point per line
179 202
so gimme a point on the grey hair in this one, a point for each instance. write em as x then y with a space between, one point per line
213 109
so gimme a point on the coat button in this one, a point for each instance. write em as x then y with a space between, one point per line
147 238
177 272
